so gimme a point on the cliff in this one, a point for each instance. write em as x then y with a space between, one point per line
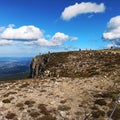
76 64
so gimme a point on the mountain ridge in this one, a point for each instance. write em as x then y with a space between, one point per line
76 64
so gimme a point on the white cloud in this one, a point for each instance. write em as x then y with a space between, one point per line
59 38
90 16
82 8
56 40
74 38
112 32
29 43
6 42
113 29
22 33
44 42
32 35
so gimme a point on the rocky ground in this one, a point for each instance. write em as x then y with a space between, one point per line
55 99
80 97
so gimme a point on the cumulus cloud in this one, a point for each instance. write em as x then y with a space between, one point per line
112 32
56 40
32 35
82 8
6 42
22 33
43 42
113 29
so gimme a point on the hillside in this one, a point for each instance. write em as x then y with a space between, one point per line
76 64
81 85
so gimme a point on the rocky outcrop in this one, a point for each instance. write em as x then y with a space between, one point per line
75 64
38 66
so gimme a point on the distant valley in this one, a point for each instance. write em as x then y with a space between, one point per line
14 67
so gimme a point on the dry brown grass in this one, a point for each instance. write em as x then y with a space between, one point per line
10 115
29 103
7 100
64 107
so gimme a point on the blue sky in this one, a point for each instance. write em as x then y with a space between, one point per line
30 27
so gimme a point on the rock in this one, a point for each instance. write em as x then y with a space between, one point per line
38 66
1 117
63 114
1 104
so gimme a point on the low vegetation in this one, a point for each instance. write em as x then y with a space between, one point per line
10 115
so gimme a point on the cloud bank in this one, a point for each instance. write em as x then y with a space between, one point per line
32 35
112 32
22 33
56 40
82 8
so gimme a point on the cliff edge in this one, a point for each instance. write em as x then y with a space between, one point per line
76 64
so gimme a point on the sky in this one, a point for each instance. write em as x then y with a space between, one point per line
32 27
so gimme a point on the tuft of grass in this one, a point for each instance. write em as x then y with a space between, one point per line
43 109
109 94
10 115
47 117
19 105
78 113
94 108
98 113
100 102
43 90
7 100
24 85
64 107
29 103
34 114
63 101
7 94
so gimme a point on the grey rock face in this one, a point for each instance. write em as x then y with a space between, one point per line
38 66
